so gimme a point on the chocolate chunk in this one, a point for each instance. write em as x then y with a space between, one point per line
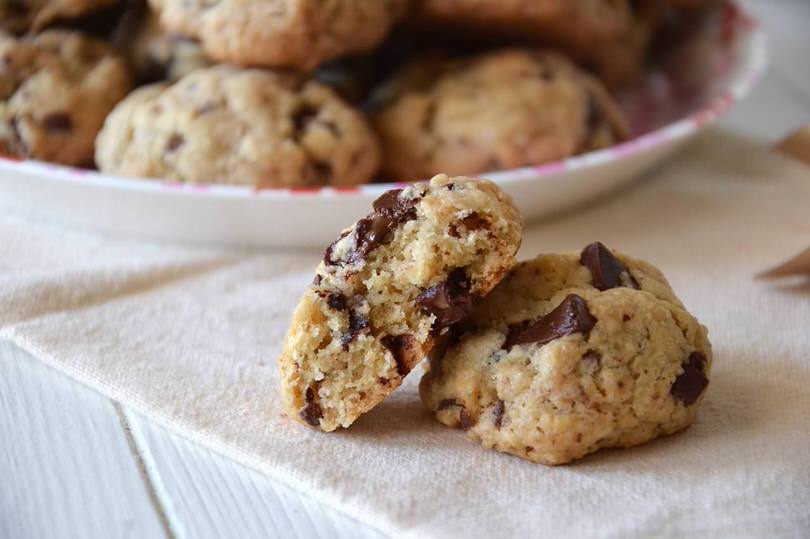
402 348
570 316
317 279
607 271
447 403
389 202
336 301
58 122
691 383
357 324
498 413
311 413
470 223
321 171
174 142
450 301
466 421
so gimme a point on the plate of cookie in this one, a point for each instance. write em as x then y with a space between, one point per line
174 123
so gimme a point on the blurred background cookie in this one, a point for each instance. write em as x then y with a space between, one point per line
498 110
154 53
56 88
298 34
19 16
608 36
239 126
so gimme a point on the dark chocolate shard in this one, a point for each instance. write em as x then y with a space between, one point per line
316 281
311 413
607 271
692 382
498 412
402 347
570 316
450 302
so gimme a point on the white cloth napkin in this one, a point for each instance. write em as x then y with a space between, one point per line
189 337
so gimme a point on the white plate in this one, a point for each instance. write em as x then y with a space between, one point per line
312 218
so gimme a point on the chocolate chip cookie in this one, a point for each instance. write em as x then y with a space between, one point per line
569 354
19 16
298 34
239 126
609 36
499 110
387 289
55 90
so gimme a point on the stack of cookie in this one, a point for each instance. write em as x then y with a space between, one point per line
287 93
548 359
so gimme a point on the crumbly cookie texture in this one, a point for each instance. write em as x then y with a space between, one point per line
570 354
388 289
55 90
297 34
503 109
609 36
19 16
239 126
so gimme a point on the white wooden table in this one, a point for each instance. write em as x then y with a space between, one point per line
75 464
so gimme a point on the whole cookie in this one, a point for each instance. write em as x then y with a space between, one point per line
298 34
55 90
238 126
387 289
498 110
18 16
609 36
570 354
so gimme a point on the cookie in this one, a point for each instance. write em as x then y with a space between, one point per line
608 36
298 34
154 54
19 16
238 126
499 110
388 289
55 90
570 354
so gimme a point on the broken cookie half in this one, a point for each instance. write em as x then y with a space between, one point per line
388 289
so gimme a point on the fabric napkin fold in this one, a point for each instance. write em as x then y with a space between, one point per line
189 336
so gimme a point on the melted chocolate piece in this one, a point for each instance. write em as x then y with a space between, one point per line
401 347
450 301
311 413
498 411
607 271
376 229
336 301
570 316
691 383
58 122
